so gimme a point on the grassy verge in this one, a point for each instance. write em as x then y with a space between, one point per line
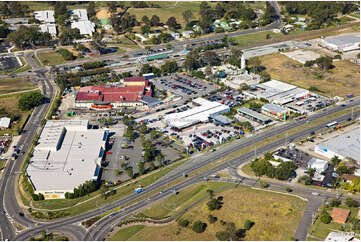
51 58
15 85
126 233
275 217
73 206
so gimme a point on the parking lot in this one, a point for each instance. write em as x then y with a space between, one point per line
130 154
309 104
184 85
206 135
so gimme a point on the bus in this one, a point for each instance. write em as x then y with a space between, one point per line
332 124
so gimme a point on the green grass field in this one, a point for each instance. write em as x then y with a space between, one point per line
51 58
276 217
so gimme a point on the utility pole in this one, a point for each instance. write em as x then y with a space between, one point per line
286 136
351 113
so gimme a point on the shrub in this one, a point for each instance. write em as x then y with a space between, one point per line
66 54
288 189
214 204
212 219
351 203
183 222
325 218
263 184
248 224
199 226
335 203
223 235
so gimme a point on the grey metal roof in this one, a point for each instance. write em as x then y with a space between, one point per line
254 114
346 144
150 101
222 119
274 108
343 39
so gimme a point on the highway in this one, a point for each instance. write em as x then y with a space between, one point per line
98 230
101 228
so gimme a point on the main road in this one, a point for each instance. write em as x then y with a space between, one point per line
98 230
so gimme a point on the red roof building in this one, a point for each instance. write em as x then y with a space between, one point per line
113 94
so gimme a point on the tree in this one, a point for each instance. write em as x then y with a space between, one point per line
91 9
130 172
325 218
103 191
143 128
222 235
25 37
30 100
199 226
169 67
155 21
335 203
141 168
351 203
268 156
212 219
335 161
265 76
211 58
236 52
324 63
214 204
4 31
145 20
112 6
183 222
210 192
269 15
172 23
187 15
248 224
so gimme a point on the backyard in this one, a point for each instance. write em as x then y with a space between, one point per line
275 216
342 80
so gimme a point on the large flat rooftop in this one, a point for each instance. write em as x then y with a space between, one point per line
346 144
67 155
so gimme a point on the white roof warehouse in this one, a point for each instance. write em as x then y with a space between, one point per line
67 155
342 43
195 115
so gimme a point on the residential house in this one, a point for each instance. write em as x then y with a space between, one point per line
340 215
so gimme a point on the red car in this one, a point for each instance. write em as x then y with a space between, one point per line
109 153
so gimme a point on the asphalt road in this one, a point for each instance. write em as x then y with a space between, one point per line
102 227
99 230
